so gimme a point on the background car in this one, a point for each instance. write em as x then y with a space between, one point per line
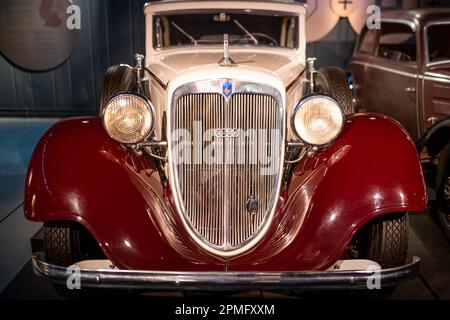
403 70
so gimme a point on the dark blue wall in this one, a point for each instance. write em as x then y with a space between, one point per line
336 48
111 32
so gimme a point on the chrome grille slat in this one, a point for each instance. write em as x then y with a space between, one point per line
213 198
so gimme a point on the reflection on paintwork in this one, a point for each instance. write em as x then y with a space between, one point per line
402 197
74 202
33 205
30 178
339 154
110 156
377 200
333 216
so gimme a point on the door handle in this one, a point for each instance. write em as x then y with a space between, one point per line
410 89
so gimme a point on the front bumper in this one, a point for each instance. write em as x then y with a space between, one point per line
226 281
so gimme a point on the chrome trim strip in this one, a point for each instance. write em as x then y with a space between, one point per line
152 144
224 281
438 75
295 144
371 65
420 106
293 2
230 10
435 77
215 87
437 63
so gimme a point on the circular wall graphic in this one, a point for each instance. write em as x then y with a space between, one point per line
343 8
324 15
34 35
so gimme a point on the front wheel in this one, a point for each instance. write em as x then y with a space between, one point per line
66 244
443 190
384 240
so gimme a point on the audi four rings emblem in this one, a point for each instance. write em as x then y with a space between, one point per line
227 133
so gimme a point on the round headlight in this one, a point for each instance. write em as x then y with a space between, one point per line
317 119
128 118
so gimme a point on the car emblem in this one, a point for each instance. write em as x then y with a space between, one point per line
252 205
227 133
227 89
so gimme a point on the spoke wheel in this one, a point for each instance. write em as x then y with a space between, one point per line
443 190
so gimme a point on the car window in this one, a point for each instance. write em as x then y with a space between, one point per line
438 42
397 43
368 41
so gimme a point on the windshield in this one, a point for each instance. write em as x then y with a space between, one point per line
197 29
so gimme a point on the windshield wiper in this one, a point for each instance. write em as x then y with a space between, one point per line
246 31
187 35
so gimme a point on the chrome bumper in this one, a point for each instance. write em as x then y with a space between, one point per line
226 281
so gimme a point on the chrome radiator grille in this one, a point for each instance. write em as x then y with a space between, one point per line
214 198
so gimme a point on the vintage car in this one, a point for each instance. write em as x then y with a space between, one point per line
403 70
224 161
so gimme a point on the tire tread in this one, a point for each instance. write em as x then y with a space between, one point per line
334 82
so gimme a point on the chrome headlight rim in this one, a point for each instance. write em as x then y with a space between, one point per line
301 102
147 103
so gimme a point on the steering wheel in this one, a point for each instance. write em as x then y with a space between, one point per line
404 57
258 35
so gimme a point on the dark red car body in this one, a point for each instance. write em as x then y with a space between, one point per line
79 174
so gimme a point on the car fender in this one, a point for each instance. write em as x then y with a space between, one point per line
371 170
78 173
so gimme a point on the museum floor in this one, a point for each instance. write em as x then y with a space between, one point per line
17 281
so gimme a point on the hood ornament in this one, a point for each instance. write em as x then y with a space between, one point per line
226 61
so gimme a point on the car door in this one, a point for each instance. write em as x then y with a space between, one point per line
357 67
392 75
435 80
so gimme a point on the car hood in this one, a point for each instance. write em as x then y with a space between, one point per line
282 63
